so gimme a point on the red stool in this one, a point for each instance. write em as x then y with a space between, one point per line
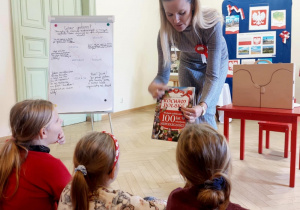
274 126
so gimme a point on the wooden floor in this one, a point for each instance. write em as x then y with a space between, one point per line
148 167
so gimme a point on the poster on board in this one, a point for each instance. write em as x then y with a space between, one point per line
232 24
256 44
278 19
230 65
259 18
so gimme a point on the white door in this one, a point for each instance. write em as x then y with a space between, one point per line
31 45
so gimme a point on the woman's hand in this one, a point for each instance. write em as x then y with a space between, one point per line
191 114
157 90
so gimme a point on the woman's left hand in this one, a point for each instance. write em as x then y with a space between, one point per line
191 114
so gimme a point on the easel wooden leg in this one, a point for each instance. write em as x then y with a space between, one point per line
110 124
92 120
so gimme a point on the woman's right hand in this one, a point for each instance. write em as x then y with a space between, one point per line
157 90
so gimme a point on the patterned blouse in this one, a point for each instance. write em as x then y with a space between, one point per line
112 199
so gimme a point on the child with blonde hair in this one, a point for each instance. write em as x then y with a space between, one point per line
204 161
31 178
96 166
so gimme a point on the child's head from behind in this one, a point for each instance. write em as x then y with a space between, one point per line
98 154
204 161
28 117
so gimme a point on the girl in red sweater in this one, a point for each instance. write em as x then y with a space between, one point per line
31 178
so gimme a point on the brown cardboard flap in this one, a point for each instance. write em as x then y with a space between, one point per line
264 85
243 87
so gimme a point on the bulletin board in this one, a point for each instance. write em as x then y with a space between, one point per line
254 23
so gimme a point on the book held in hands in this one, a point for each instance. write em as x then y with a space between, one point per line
168 119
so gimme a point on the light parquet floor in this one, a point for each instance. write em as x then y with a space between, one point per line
148 167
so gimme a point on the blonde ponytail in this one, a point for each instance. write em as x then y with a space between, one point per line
9 160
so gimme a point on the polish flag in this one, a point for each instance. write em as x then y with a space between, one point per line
245 41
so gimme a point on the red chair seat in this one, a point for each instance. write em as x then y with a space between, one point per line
274 126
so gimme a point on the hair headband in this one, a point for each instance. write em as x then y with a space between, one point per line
215 184
116 147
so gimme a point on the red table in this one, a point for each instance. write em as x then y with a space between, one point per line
264 114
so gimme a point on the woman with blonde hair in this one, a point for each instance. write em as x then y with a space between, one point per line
204 161
96 166
197 33
31 178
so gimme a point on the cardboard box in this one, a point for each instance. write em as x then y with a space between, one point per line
264 85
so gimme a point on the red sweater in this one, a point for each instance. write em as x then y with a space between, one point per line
41 181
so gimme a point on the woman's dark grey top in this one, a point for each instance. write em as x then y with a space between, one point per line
208 78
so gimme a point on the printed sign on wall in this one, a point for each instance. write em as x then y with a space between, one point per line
256 44
278 19
232 24
259 18
230 65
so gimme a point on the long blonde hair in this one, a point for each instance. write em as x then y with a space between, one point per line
202 155
96 151
203 18
27 118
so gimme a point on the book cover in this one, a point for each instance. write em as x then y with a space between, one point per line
168 119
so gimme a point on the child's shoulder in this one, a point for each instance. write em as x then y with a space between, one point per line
178 191
42 158
112 199
65 201
45 162
121 198
233 206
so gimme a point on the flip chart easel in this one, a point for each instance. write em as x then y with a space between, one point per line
81 64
